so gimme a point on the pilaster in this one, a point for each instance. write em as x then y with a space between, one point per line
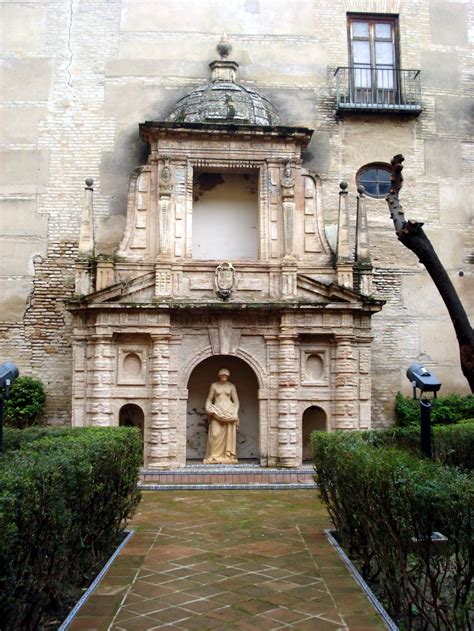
163 436
102 380
345 384
288 439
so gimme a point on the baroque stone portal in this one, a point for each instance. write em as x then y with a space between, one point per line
224 254
222 407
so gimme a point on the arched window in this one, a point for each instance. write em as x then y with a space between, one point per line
375 178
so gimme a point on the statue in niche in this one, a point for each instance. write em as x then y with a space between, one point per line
222 407
288 181
165 183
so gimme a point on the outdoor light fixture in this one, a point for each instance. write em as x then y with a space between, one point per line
8 373
424 380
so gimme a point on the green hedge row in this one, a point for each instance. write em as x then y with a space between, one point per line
446 410
385 504
17 438
452 445
64 499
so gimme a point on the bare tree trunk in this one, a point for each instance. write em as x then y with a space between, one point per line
413 237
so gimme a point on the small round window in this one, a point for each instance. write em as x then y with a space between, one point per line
375 178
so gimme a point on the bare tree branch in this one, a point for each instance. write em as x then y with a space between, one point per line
413 237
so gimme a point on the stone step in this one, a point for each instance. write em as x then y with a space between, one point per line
240 476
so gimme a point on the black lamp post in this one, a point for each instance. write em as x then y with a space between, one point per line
8 373
421 378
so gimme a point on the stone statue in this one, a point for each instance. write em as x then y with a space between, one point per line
222 407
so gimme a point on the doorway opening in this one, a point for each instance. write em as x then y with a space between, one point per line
245 381
314 420
132 415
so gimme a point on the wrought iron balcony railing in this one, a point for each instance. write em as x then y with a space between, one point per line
378 89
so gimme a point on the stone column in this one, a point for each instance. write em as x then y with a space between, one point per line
102 380
162 435
288 444
345 385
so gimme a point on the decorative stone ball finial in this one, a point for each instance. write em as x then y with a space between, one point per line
361 189
223 47
89 182
343 186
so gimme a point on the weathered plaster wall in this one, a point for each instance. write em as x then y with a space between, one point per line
77 77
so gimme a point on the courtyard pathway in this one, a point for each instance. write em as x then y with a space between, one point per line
225 560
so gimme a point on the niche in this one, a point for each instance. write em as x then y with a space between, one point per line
225 215
132 366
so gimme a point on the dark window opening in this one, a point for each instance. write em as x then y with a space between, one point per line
375 178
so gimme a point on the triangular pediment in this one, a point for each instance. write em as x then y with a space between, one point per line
139 289
321 292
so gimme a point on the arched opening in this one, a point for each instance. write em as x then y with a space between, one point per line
200 380
131 415
314 420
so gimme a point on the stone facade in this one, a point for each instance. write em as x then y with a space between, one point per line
78 77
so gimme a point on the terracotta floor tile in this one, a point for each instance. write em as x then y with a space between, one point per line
319 624
172 615
143 588
229 614
140 623
203 605
200 623
90 624
254 606
284 614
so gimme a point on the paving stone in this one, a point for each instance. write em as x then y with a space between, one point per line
247 562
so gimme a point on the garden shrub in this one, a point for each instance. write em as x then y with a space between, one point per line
446 409
452 445
385 503
14 438
24 406
64 500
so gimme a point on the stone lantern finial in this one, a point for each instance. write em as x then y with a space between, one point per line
223 69
223 47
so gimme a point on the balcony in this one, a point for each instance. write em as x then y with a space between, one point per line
377 90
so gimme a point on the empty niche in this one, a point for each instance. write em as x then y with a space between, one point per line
314 368
132 366
225 215
314 420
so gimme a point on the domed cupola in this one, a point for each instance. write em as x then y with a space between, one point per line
223 101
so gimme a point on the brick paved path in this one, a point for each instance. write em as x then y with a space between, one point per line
226 560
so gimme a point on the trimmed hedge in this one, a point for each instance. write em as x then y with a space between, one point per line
64 499
446 410
385 503
14 438
452 445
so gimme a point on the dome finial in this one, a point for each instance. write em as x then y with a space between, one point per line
223 47
224 69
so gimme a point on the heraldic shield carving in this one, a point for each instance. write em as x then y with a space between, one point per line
225 280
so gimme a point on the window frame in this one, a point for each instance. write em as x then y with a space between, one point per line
384 166
373 89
